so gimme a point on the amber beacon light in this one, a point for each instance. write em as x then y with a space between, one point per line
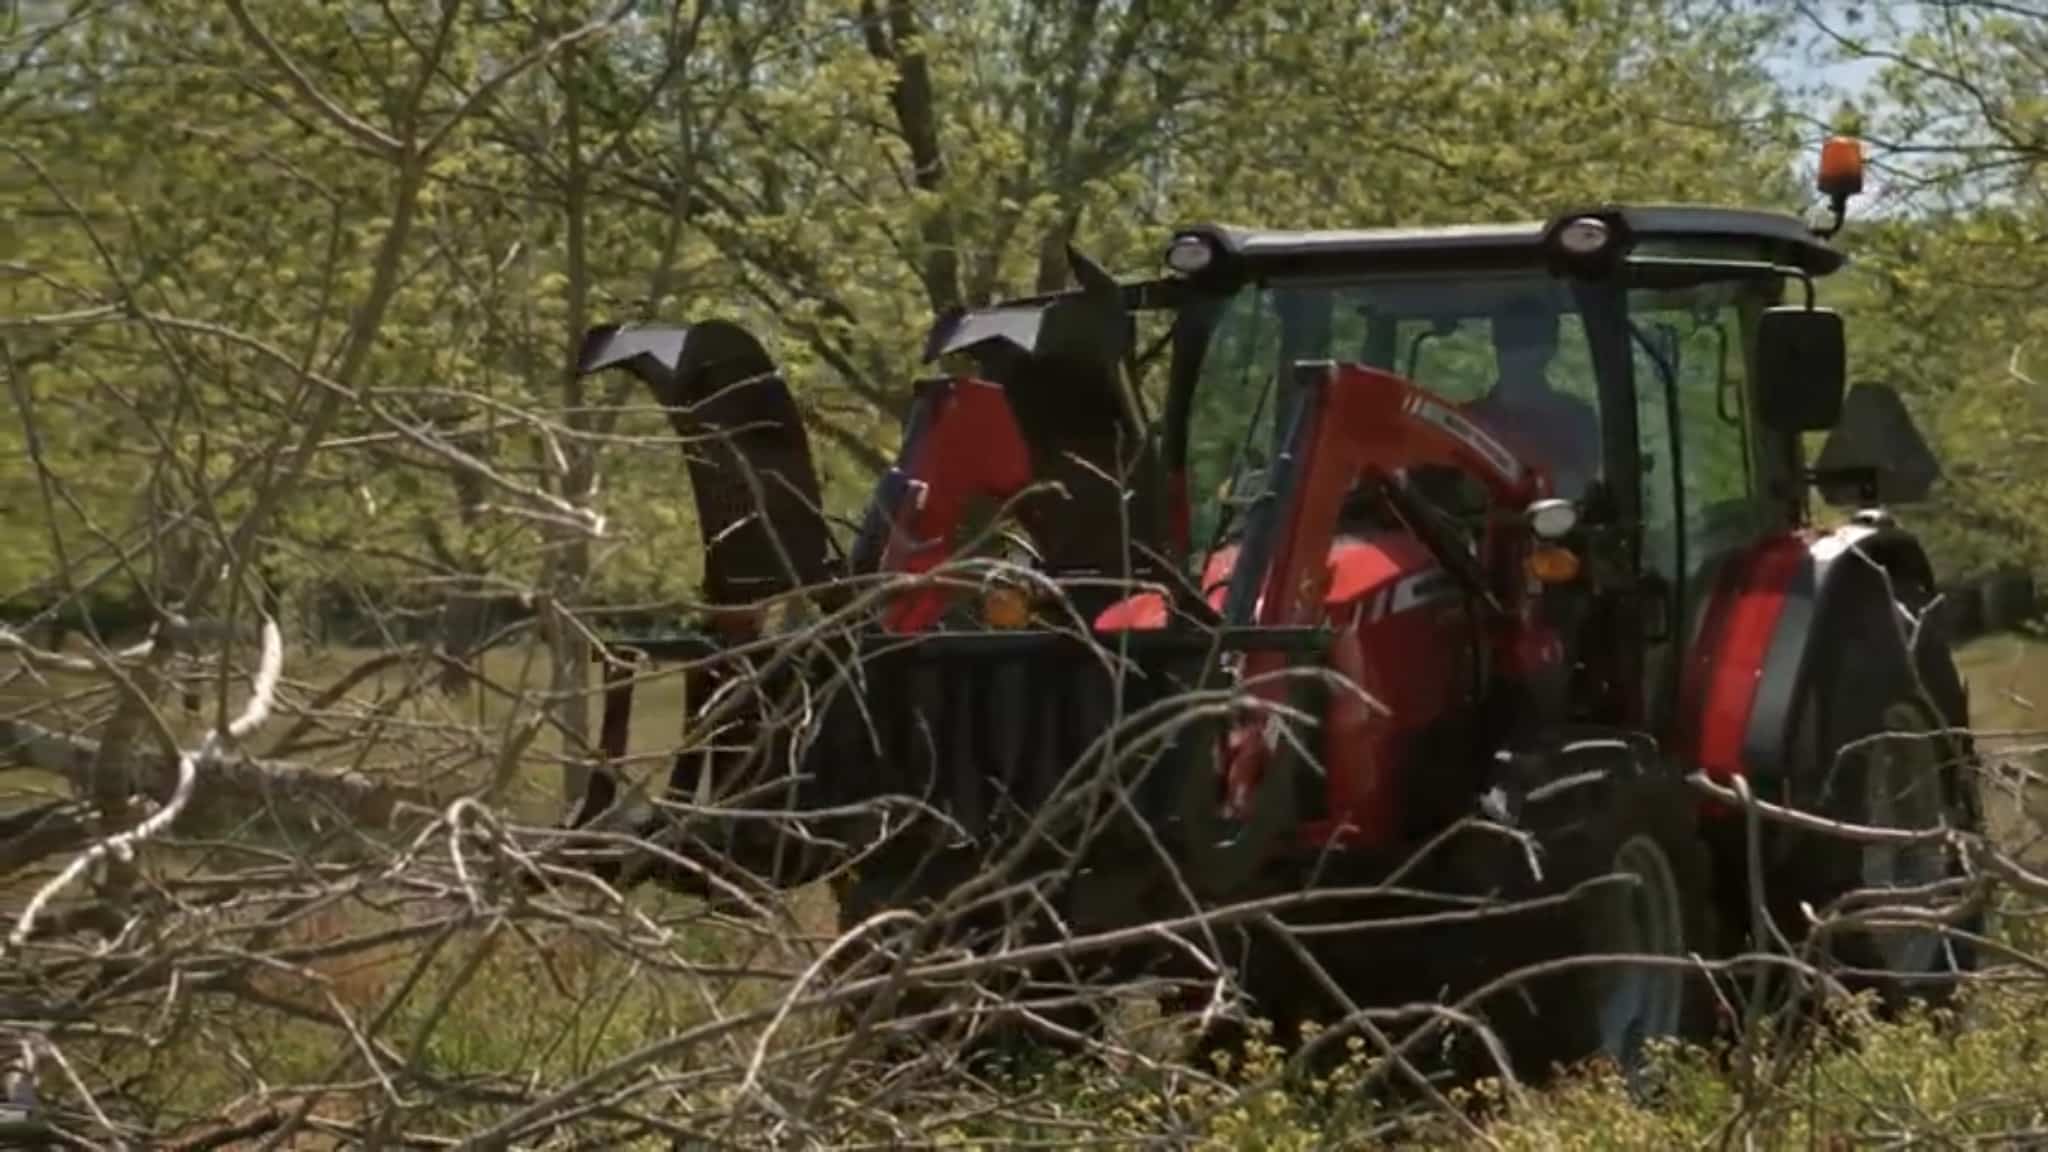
1841 168
1841 176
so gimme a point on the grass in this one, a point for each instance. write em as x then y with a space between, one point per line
399 722
498 1006
2007 676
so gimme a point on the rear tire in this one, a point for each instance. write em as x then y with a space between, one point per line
1882 741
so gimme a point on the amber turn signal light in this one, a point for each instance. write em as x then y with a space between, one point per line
1005 607
1553 565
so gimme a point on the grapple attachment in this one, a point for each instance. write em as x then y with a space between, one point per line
887 706
1058 360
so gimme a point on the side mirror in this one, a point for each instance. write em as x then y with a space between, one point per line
1801 368
1875 455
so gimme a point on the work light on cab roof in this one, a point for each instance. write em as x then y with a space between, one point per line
1585 236
1190 254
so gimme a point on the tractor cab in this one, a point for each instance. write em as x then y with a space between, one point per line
1643 361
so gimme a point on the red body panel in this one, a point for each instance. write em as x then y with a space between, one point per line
1404 641
1405 645
1718 690
1371 424
973 449
1400 639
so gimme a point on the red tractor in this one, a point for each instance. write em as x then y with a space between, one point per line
1374 667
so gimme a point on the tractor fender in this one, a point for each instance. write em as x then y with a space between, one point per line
1756 640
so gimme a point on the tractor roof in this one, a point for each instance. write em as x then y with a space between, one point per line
1784 237
1083 318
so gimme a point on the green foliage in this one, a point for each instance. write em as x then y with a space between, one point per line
1946 299
1948 310
191 229
826 173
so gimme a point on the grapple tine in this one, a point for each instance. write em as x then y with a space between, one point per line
759 507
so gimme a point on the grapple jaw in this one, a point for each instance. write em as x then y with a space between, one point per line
1093 324
757 492
1059 360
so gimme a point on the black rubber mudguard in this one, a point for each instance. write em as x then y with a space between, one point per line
1844 563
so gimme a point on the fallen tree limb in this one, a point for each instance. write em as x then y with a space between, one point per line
33 834
234 787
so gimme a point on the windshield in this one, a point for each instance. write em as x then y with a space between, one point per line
1510 347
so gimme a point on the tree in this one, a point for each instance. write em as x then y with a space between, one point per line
1951 281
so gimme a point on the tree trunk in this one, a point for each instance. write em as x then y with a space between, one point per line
569 656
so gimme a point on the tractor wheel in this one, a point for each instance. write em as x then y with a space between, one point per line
1882 741
1607 815
1640 824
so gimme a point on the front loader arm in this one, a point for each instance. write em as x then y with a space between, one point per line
1351 422
1356 422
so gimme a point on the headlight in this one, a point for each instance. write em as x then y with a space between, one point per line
1189 255
1553 519
1585 236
